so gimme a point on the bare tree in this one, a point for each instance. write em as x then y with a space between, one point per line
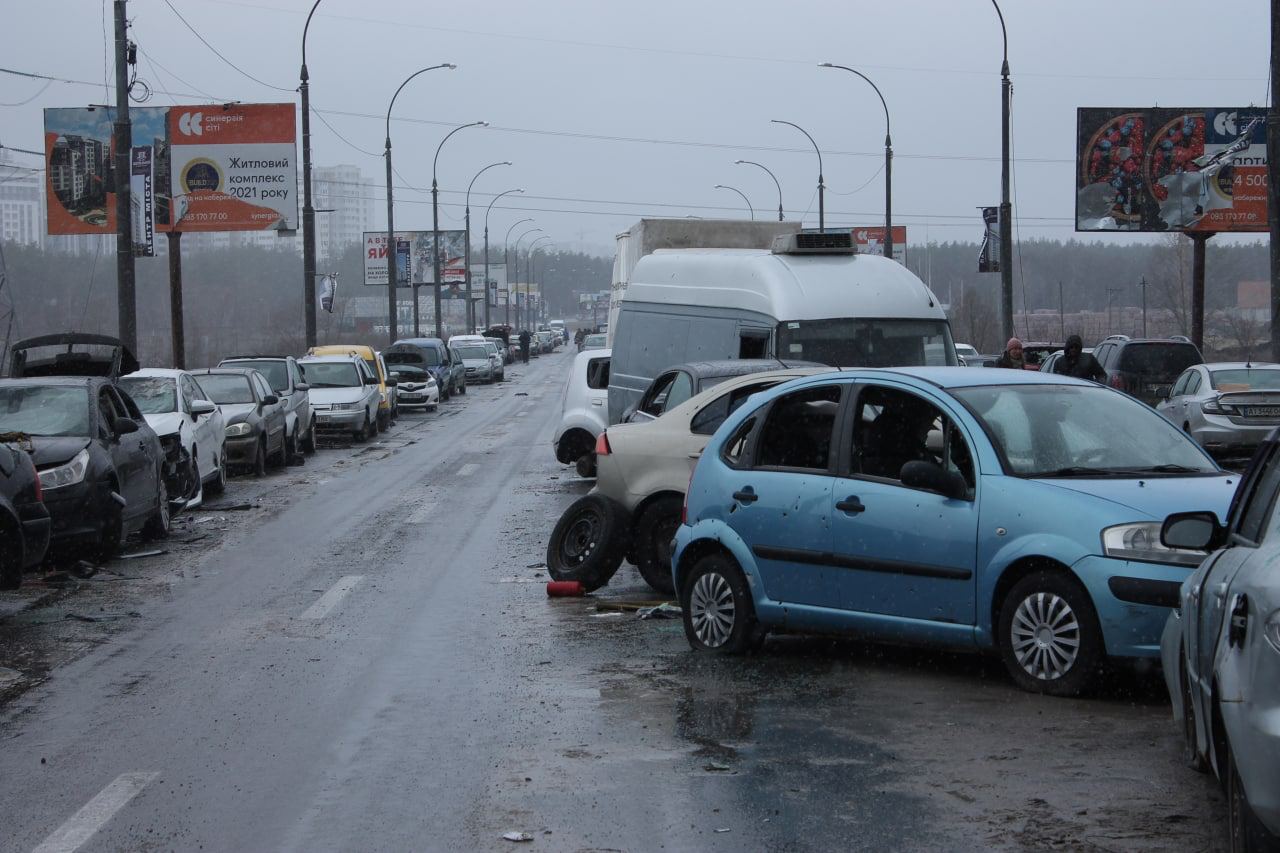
975 320
1170 278
1244 332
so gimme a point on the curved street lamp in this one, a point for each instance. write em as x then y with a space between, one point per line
888 159
506 261
529 279
435 232
391 217
1006 208
469 313
744 198
517 254
772 175
822 219
486 252
308 210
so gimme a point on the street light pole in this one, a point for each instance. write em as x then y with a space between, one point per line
528 285
470 312
506 263
744 198
435 232
1006 207
822 220
391 219
888 160
487 323
308 211
770 174
517 254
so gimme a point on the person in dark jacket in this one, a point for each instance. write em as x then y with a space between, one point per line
1012 358
524 345
1078 363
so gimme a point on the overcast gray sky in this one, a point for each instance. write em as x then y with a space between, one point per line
611 110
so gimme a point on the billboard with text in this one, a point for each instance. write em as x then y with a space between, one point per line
419 247
1171 169
870 241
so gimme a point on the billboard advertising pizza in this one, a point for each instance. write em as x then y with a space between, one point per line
1171 169
234 167
80 167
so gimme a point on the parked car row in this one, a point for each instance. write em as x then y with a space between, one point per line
94 448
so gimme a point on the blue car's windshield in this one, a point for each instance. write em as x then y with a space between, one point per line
1072 431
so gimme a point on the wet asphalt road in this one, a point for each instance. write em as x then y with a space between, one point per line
369 662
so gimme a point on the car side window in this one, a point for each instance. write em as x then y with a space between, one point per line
1180 387
106 414
709 418
681 390
264 390
598 373
1193 384
1102 353
1257 506
295 374
892 427
734 452
797 432
655 402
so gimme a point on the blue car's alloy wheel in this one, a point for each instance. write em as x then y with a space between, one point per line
1049 635
711 610
1046 636
718 612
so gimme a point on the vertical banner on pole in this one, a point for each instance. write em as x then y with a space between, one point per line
142 200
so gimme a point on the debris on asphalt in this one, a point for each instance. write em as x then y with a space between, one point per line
230 507
84 570
103 617
606 613
205 519
517 836
138 554
665 610
723 829
536 566
565 589
55 579
713 767
629 606
522 393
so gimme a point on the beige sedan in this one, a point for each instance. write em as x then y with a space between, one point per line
646 466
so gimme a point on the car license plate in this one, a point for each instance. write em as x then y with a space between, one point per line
1262 411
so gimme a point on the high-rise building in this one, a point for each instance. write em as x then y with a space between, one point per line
21 201
343 192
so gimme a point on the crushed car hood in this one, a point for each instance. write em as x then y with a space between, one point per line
165 423
1158 497
235 412
54 450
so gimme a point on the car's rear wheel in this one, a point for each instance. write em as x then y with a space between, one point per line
588 542
157 526
718 613
1190 751
654 530
1050 640
218 484
586 465
260 458
309 440
1245 833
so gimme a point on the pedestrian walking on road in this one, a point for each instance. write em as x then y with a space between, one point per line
1078 363
1012 357
524 345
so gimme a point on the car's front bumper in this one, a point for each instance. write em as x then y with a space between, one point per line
423 397
1133 601
242 450
37 528
76 515
329 420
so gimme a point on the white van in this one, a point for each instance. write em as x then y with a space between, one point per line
802 300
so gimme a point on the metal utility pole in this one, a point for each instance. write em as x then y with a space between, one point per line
391 224
1062 314
308 211
435 232
1273 178
888 160
1006 207
1143 285
1198 240
489 209
470 310
770 174
822 219
506 262
751 209
175 299
126 294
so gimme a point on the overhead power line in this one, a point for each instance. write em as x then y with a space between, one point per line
216 53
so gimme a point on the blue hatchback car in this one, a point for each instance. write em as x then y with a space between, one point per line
967 508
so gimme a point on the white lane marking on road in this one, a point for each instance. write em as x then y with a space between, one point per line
468 469
82 825
420 514
332 598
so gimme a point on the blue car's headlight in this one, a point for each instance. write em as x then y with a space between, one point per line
1141 541
66 474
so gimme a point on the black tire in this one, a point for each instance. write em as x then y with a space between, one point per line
108 544
1245 833
462 389
1190 754
652 537
218 484
588 542
281 459
292 445
10 558
384 421
260 459
157 526
586 465
1058 643
718 613
375 426
309 440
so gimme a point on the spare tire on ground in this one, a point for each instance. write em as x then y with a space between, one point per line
589 542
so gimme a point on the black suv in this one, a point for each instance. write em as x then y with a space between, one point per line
1145 368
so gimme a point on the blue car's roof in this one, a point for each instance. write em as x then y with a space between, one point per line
968 377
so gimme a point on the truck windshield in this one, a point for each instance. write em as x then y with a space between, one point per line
872 342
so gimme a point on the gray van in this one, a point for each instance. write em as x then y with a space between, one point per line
804 300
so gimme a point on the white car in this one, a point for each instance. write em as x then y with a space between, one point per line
474 352
415 387
496 357
344 394
583 409
191 430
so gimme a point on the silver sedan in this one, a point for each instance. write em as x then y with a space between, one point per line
1229 407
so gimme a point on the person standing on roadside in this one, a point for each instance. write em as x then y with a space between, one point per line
1012 358
524 345
1078 363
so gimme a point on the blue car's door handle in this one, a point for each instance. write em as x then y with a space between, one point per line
746 495
851 505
